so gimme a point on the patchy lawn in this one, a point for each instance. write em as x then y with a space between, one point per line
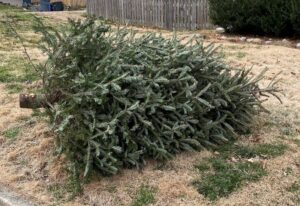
232 167
260 169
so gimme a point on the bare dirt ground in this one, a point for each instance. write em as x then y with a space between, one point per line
28 166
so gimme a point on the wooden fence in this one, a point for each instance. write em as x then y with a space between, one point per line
74 3
168 14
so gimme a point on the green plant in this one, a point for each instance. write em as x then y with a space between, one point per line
220 176
241 55
68 190
58 191
85 15
261 150
123 98
277 17
21 18
5 76
296 141
295 15
14 88
295 187
16 69
12 133
204 166
145 196
226 177
270 150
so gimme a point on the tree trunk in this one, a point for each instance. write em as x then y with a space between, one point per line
35 101
32 101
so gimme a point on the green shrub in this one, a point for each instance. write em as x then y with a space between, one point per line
277 17
295 15
235 16
124 98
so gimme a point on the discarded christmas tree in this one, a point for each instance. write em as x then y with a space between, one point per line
124 98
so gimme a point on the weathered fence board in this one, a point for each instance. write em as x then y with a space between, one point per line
73 3
169 14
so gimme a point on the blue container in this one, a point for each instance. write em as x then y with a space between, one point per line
57 6
26 3
45 5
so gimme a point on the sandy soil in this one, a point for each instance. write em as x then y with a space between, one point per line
28 166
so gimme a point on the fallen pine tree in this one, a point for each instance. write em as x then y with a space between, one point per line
124 98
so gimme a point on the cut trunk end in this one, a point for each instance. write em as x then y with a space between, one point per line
32 101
